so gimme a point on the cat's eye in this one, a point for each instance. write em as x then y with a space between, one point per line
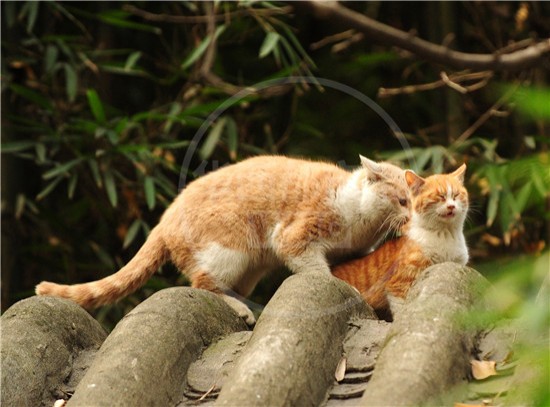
403 202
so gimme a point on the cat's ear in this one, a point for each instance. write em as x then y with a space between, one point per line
459 173
414 181
374 172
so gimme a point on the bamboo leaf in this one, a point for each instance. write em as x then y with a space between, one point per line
102 255
32 8
132 60
71 82
10 13
50 58
32 96
172 116
95 172
97 107
112 136
146 228
20 205
49 188
533 102
174 145
492 206
16 146
212 139
269 44
422 159
201 48
277 56
110 187
61 169
297 45
40 149
523 196
494 196
72 185
132 233
149 187
118 19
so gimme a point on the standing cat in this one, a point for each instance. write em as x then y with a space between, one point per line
434 235
229 228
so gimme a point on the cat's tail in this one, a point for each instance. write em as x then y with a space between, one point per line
128 279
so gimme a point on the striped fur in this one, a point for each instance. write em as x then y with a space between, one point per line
434 235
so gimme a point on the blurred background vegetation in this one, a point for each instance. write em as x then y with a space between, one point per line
101 101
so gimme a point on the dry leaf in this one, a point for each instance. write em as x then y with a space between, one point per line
481 369
340 369
208 392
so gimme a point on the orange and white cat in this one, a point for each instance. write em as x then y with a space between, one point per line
230 227
434 235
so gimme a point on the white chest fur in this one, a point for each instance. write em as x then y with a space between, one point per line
441 245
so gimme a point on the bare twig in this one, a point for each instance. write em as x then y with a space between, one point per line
342 36
339 47
409 89
451 84
388 35
205 69
455 79
167 18
210 54
485 116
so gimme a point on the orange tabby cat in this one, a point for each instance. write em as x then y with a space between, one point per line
229 228
434 235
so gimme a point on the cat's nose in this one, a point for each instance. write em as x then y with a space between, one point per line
450 207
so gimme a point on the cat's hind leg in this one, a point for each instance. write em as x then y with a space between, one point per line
205 281
221 270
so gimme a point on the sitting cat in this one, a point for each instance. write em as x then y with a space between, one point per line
434 235
228 228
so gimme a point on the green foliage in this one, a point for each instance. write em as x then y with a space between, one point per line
519 295
533 103
101 106
112 163
516 188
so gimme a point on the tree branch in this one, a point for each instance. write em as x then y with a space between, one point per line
172 19
387 35
485 116
455 78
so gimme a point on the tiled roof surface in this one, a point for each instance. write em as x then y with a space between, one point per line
184 347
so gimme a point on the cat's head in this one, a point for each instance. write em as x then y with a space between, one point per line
388 184
439 201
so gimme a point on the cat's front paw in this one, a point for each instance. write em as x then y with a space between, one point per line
241 309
